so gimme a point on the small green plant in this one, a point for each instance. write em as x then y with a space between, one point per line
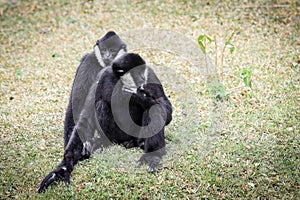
245 74
202 41
230 46
216 89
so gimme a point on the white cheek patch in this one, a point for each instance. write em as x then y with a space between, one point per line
98 56
128 80
120 53
129 84
146 75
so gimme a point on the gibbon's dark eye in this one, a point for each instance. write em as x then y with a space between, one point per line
112 50
103 49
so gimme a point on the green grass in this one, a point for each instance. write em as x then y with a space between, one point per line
246 146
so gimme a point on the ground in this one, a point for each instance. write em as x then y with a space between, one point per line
235 128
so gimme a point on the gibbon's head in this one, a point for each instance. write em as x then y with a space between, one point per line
108 48
132 70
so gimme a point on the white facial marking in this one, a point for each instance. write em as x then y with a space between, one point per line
128 80
129 83
98 56
146 75
120 53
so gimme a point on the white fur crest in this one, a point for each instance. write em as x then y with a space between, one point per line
98 56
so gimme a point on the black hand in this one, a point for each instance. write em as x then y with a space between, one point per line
60 173
144 99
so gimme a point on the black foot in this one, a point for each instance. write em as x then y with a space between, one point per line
61 173
152 160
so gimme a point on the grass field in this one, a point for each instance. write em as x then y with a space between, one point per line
235 130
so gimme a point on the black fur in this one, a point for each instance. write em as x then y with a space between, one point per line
150 94
98 110
84 79
85 76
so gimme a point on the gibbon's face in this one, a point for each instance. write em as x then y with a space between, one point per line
136 77
109 49
132 71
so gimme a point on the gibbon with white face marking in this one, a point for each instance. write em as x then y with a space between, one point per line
127 106
133 110
109 47
105 51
